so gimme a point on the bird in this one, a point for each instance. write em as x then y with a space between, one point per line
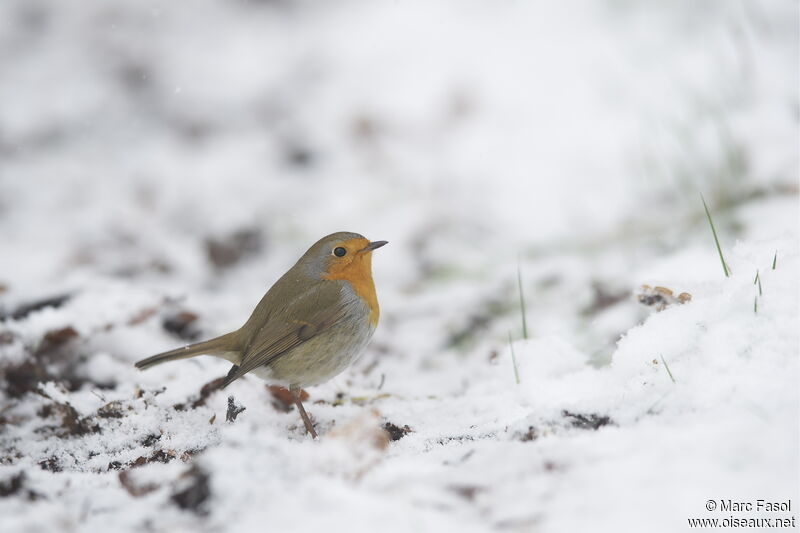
311 325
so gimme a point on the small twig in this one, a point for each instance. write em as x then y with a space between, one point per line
102 398
233 410
725 267
522 303
757 281
513 358
666 366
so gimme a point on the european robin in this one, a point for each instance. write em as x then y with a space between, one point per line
312 324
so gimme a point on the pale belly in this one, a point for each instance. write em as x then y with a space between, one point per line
320 358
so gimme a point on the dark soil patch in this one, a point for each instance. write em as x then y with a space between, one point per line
205 392
396 432
150 440
15 486
224 252
587 421
234 410
23 310
111 410
195 492
468 492
134 489
528 436
54 359
183 324
51 464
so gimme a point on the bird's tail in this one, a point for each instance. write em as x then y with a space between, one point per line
225 346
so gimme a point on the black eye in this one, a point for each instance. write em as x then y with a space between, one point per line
339 251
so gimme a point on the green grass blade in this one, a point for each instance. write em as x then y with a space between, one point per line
725 267
522 303
775 260
755 305
757 281
513 358
668 370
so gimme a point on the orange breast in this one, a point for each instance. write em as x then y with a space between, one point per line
358 272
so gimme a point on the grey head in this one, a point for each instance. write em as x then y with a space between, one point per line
316 260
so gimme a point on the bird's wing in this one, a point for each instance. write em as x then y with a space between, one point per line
304 318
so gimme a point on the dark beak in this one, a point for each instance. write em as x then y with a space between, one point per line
374 245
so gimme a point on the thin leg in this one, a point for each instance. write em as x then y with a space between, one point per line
303 414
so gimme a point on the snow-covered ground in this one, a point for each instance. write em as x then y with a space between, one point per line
161 165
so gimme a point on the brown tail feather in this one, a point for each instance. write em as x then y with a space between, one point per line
220 346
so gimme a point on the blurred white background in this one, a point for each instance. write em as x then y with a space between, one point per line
155 150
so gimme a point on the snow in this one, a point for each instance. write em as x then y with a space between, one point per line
564 143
